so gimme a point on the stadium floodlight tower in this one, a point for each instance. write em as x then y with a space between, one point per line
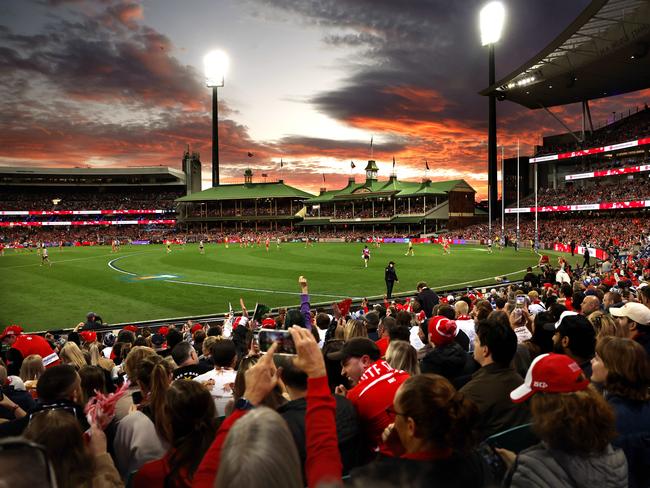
215 64
492 18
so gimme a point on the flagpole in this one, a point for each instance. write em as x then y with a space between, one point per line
517 192
371 137
503 199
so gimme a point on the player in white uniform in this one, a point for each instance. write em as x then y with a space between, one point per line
410 249
365 255
489 245
201 247
45 258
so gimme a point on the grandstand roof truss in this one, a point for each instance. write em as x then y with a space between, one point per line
603 52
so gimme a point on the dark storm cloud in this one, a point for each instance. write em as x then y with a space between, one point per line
108 57
425 44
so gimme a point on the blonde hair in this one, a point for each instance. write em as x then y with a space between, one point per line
269 446
32 368
209 341
71 354
606 326
402 355
96 358
134 358
461 307
354 328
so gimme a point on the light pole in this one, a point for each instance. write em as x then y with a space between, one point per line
492 17
215 64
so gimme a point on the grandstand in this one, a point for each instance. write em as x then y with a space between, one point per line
92 205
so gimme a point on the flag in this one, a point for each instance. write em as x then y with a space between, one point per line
344 306
393 162
281 163
426 164
260 311
352 165
250 154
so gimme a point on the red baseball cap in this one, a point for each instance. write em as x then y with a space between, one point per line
268 323
88 335
164 330
442 330
131 328
196 327
11 330
551 373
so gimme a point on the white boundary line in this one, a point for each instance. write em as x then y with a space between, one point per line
226 287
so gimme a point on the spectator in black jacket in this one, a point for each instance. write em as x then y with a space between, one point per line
427 298
293 412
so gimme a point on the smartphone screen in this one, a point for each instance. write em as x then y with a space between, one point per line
520 301
267 337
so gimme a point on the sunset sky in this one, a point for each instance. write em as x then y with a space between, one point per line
120 83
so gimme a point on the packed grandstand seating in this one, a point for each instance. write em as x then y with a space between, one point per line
595 229
80 198
635 125
432 382
594 191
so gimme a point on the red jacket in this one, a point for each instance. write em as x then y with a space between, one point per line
154 473
35 344
323 458
373 395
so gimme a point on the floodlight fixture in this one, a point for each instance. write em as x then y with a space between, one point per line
215 65
492 18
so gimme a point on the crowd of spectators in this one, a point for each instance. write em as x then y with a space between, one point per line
625 129
593 192
543 383
90 198
614 232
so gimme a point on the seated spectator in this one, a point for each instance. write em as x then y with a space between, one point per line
77 463
604 325
575 337
222 376
590 304
495 346
636 318
575 448
139 435
130 367
374 383
447 358
15 393
206 357
31 370
58 388
354 328
622 367
71 354
93 381
274 400
402 355
384 326
22 345
185 357
464 322
431 441
294 411
191 427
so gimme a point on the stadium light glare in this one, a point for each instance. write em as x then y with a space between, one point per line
215 65
492 18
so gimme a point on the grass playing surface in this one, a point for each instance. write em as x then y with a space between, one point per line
144 282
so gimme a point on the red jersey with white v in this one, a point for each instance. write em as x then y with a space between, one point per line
373 395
